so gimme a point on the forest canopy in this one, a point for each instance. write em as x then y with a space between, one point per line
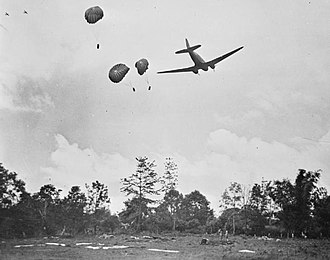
154 204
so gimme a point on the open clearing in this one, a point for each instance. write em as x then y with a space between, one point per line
163 247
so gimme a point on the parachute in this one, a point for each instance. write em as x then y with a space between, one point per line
118 72
93 14
142 66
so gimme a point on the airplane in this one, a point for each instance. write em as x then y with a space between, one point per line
6 13
198 60
25 12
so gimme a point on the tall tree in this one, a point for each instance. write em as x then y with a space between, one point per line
142 185
46 203
305 193
283 193
98 204
297 201
232 196
172 198
73 207
261 199
322 214
170 177
97 197
284 197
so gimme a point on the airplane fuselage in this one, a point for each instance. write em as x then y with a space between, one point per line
199 61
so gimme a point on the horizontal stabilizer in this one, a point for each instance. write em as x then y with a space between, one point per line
190 49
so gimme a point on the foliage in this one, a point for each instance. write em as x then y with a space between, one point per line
195 206
322 213
170 177
73 207
172 202
136 209
46 203
142 185
274 207
305 195
97 197
260 197
11 188
232 196
97 206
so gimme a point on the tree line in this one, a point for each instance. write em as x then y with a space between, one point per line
154 204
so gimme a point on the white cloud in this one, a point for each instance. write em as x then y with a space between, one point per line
229 158
234 158
75 166
255 155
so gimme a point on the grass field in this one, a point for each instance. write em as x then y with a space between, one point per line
175 247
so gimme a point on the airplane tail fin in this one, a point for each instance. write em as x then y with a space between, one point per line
188 49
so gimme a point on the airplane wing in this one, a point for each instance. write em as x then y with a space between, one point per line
188 69
216 60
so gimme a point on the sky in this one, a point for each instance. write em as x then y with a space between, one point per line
263 113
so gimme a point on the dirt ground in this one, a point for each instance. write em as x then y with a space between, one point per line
175 247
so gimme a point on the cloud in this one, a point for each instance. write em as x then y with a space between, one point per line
255 155
72 165
229 158
240 120
24 95
6 99
232 158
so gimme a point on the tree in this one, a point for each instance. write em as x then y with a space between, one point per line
163 218
26 220
135 210
232 196
305 194
46 203
258 199
283 193
170 178
11 188
195 208
296 202
98 203
322 214
97 197
247 220
261 199
73 206
142 185
110 223
283 196
172 198
172 203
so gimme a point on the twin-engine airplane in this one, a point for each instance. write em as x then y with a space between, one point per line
198 60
